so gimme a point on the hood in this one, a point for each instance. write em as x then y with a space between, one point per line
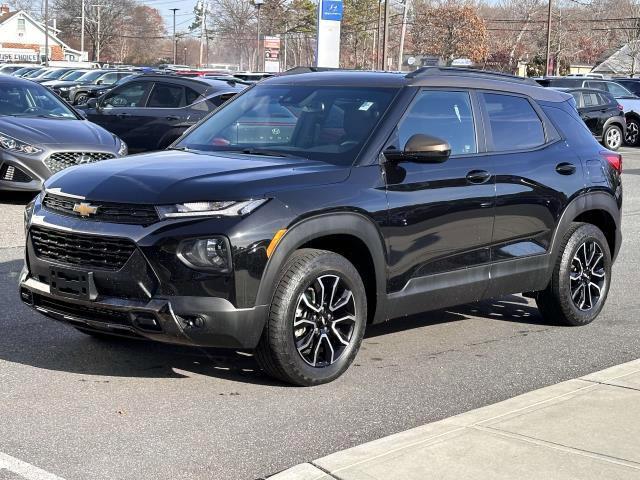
173 177
49 131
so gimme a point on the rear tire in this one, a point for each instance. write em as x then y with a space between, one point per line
581 278
80 99
633 132
612 137
316 321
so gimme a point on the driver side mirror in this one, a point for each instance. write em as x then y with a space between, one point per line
422 149
92 103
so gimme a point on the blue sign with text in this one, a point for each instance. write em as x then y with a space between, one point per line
332 10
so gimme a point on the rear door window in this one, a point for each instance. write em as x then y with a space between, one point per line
165 95
514 123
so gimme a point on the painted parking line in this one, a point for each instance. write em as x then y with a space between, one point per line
24 469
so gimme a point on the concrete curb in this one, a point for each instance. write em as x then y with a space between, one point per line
346 463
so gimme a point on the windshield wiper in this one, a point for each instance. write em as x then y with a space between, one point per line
262 151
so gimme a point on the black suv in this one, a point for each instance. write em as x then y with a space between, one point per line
602 114
314 204
150 112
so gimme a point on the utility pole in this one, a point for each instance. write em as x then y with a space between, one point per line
174 10
203 16
185 55
403 33
547 56
98 34
259 54
46 33
385 40
376 36
82 28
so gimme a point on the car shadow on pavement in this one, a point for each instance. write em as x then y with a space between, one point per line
511 308
29 338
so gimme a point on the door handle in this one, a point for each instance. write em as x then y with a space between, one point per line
478 176
122 115
171 117
566 168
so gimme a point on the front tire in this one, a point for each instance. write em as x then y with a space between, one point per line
80 99
581 278
316 321
612 137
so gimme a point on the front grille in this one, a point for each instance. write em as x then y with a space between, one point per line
91 251
60 160
9 173
97 314
129 214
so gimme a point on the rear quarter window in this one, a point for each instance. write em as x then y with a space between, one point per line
514 123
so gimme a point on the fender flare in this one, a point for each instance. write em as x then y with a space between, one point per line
579 205
334 223
614 121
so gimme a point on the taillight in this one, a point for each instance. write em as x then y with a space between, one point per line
614 159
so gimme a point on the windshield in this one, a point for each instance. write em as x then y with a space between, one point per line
53 74
35 73
91 76
73 75
20 100
330 124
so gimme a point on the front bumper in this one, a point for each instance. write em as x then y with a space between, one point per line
186 320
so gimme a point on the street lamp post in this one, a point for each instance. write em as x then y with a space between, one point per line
547 70
258 4
46 33
82 29
185 55
175 52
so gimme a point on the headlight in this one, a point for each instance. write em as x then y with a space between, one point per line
13 145
123 150
209 209
209 253
64 89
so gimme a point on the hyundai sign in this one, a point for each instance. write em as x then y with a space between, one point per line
332 10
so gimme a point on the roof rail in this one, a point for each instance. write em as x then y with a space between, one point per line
299 70
424 72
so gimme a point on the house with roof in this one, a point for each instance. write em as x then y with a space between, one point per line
22 39
624 61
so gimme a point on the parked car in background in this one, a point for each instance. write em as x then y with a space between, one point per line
79 94
151 111
602 114
67 88
67 77
629 101
40 135
394 195
35 73
10 68
21 72
252 77
53 74
631 84
94 91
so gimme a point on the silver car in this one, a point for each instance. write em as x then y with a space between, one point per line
41 135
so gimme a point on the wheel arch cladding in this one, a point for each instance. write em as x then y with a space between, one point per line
351 235
597 208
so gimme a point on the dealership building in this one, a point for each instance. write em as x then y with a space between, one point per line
22 40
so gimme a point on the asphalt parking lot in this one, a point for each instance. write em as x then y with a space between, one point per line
82 408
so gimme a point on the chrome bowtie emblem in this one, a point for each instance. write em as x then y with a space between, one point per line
85 209
81 159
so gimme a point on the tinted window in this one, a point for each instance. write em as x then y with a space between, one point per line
576 97
327 123
617 90
108 78
595 84
191 95
165 95
130 95
514 123
446 115
631 85
591 99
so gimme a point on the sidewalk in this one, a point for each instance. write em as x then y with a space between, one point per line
588 428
